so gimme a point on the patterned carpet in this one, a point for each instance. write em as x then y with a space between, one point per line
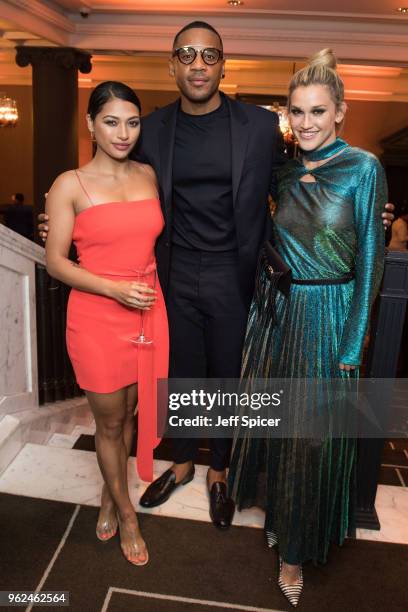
193 567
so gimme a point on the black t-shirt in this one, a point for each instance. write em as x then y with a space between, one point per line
202 178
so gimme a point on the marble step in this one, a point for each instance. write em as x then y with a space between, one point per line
38 425
62 440
63 474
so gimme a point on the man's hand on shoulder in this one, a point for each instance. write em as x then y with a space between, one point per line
388 216
42 226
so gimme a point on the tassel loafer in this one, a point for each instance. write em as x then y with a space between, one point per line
160 490
221 506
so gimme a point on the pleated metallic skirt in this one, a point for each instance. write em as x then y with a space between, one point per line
305 486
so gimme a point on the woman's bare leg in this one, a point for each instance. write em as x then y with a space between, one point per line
109 411
107 521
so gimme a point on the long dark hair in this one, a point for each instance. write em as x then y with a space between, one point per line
106 91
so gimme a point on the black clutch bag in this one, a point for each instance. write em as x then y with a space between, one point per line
276 269
273 274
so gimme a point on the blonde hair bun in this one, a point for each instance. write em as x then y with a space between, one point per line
325 57
320 70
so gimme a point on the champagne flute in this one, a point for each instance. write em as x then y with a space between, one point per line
148 277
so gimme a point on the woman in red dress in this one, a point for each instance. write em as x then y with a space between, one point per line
110 209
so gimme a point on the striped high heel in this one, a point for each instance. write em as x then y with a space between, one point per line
292 592
271 538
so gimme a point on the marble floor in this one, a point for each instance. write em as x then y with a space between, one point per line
55 471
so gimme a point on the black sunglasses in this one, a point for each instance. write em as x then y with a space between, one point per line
187 55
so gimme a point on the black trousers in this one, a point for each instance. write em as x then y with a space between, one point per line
207 320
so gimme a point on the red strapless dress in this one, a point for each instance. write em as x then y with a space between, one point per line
113 240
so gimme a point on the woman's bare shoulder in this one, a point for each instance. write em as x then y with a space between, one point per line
140 167
63 192
148 171
65 180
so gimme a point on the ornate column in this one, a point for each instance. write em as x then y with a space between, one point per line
55 111
55 149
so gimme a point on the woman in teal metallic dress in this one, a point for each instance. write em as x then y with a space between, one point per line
328 229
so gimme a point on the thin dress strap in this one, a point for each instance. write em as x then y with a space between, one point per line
83 188
149 175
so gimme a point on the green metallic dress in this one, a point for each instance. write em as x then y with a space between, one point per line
324 230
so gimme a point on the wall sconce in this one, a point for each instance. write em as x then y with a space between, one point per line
8 111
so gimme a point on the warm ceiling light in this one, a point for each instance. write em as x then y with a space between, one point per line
235 2
402 9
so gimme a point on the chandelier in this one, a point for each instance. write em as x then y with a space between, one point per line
291 145
8 111
282 113
284 124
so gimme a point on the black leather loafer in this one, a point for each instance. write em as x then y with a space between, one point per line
160 490
221 506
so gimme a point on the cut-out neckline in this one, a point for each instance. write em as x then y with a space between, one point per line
312 182
116 202
310 171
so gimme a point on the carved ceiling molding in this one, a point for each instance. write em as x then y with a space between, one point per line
290 39
51 30
276 34
44 11
226 15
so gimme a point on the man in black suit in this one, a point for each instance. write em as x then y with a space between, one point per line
216 161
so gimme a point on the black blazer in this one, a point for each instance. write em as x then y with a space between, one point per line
257 153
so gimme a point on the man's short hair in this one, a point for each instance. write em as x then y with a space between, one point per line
197 25
19 197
